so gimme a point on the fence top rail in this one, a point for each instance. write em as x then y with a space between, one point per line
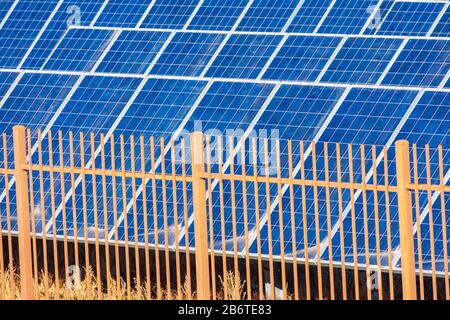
381 186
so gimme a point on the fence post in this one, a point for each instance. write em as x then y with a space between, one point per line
23 212
405 220
200 219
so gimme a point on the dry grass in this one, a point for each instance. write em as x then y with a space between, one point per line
88 289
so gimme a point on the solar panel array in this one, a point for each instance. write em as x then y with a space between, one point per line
362 72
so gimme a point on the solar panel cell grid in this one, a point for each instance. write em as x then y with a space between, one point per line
297 113
347 17
21 28
409 18
5 6
94 107
264 16
362 60
119 14
377 113
243 56
170 14
443 27
227 106
423 62
218 14
133 52
75 13
427 124
34 101
188 54
309 16
79 50
157 111
302 58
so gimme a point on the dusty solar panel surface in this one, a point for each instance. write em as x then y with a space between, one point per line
362 72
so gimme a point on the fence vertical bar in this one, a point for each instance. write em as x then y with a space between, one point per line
200 220
23 213
405 220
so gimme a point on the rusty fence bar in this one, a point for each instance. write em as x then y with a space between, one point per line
91 216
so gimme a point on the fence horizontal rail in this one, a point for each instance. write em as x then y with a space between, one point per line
142 221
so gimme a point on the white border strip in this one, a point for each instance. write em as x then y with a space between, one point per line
231 80
266 33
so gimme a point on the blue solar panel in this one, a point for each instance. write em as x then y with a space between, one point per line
75 13
427 124
79 50
347 17
423 62
34 102
218 14
295 112
188 54
170 14
170 101
378 16
34 36
228 106
267 16
133 52
125 15
157 111
302 58
5 6
443 27
309 16
93 107
21 28
410 18
362 60
370 117
6 80
244 56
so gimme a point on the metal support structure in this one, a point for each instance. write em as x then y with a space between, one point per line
23 213
200 218
405 220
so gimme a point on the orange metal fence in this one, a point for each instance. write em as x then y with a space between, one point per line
70 230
